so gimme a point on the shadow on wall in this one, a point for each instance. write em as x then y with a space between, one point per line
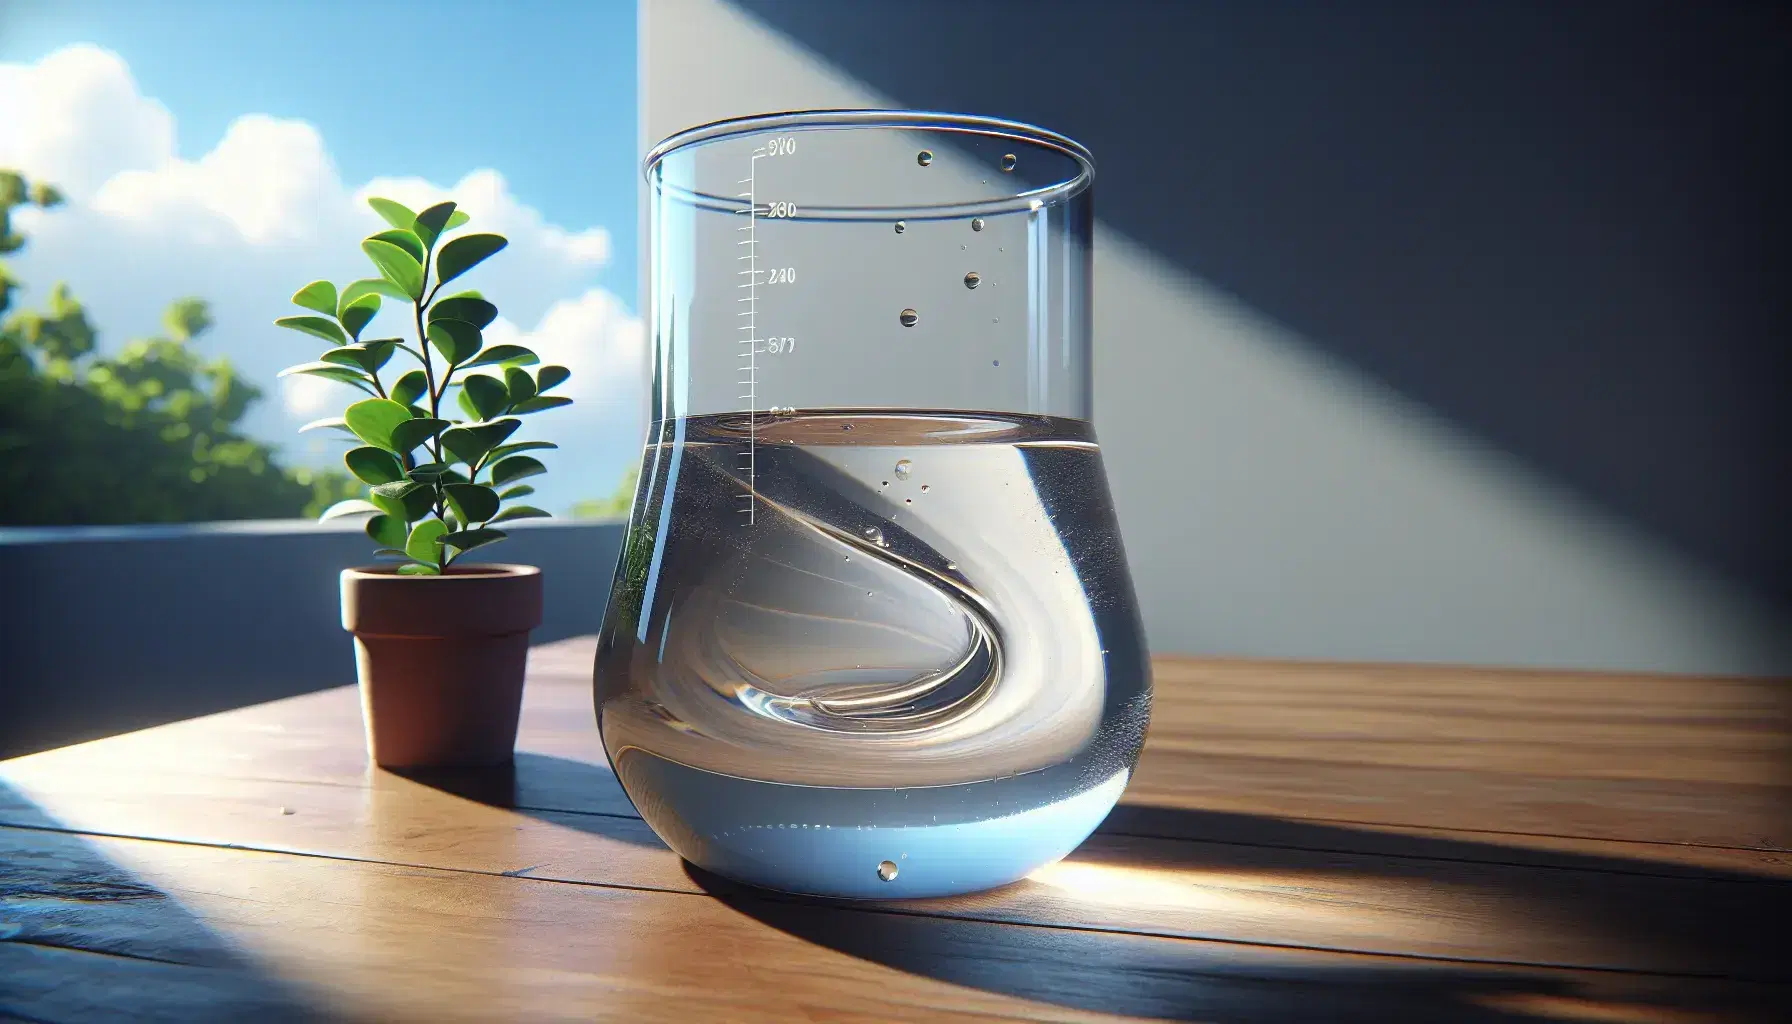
1558 226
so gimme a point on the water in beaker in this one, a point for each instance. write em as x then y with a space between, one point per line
872 633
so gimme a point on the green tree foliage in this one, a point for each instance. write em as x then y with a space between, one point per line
437 483
148 435
616 506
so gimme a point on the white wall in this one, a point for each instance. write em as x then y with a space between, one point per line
1276 502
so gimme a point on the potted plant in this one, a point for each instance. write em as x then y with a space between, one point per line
440 643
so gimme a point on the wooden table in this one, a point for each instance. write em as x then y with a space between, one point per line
1302 841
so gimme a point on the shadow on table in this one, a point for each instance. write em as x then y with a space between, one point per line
572 794
1728 919
83 939
1135 975
1712 916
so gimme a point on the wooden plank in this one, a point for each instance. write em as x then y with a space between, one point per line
1457 899
1181 789
1633 758
296 936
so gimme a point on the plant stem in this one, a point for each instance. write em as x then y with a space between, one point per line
435 407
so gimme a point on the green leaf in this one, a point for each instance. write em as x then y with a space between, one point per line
318 295
465 253
387 531
413 432
369 286
467 540
466 405
519 512
465 306
513 354
474 503
348 507
369 356
518 382
373 465
540 403
396 265
390 553
409 387
469 443
406 240
397 214
374 420
408 500
427 470
391 504
519 491
418 569
520 446
432 222
357 314
549 377
516 467
457 340
328 421
487 395
330 371
315 325
456 220
424 540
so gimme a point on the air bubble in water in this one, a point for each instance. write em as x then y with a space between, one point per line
976 223
909 318
1008 161
904 469
901 226
924 157
875 536
886 870
972 279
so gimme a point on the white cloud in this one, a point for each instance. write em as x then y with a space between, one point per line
265 211
75 117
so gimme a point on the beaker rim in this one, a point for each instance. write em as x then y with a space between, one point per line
934 120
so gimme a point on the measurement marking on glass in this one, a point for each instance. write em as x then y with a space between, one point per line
751 341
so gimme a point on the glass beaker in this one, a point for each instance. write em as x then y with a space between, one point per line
872 632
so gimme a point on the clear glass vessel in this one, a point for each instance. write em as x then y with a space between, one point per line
872 632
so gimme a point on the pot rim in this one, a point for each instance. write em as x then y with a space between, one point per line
477 571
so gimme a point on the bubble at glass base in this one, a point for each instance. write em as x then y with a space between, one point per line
854 680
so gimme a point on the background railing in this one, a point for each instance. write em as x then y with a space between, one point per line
113 628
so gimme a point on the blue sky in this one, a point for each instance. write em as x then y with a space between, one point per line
542 90
222 148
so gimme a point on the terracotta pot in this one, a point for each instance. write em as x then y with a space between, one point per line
441 661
